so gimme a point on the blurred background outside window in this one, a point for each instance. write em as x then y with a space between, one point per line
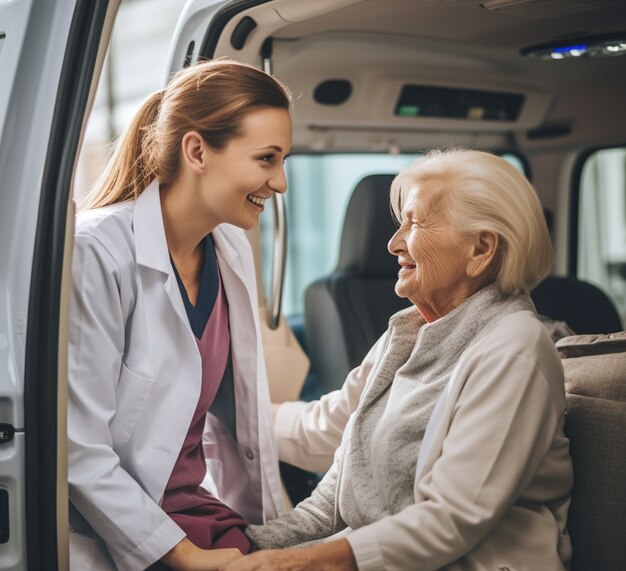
134 67
602 224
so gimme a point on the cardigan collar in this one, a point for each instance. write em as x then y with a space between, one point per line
439 345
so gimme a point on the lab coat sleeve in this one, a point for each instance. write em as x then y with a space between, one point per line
137 532
503 424
308 433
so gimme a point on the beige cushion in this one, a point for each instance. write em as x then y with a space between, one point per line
595 381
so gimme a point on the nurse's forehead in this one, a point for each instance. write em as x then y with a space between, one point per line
271 126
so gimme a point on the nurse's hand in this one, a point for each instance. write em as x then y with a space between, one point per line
187 557
271 560
215 559
332 556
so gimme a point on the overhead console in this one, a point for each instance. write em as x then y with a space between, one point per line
369 81
458 103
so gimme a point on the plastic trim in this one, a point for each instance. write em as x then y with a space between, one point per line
219 21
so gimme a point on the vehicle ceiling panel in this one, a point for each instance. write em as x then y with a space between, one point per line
448 42
489 35
467 20
378 45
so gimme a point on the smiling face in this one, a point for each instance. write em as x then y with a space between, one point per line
433 257
239 178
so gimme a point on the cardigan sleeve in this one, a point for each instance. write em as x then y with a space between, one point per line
309 433
137 532
502 426
313 518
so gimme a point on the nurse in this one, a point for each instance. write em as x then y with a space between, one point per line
171 449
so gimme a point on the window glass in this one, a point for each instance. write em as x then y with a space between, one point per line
319 190
602 224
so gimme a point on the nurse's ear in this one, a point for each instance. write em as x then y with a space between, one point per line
194 152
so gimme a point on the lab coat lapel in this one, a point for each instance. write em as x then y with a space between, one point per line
229 255
234 277
253 419
151 245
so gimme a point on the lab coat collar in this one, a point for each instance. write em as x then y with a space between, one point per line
152 251
150 243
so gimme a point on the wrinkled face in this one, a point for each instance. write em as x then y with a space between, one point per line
432 256
243 175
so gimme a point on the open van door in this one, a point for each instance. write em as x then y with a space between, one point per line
49 54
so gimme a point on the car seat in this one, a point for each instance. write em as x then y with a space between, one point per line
583 306
346 311
595 422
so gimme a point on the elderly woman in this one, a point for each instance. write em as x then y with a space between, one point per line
455 456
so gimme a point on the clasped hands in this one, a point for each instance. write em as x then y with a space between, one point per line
332 556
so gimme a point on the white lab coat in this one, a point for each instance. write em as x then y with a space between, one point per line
134 383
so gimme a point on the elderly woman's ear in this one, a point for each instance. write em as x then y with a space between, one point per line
482 258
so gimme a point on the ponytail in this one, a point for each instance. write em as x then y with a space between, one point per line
132 167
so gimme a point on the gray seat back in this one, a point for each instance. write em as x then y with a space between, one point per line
583 306
595 383
348 310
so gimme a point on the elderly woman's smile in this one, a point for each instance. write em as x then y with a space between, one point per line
405 266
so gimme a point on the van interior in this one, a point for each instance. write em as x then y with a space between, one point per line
376 83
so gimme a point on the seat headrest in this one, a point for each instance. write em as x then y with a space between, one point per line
583 306
367 228
595 365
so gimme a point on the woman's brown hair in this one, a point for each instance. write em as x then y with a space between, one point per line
211 98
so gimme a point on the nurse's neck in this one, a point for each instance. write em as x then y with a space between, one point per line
185 224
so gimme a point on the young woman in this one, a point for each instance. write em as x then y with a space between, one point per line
168 393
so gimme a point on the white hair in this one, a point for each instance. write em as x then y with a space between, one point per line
484 192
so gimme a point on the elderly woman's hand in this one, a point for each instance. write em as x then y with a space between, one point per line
334 555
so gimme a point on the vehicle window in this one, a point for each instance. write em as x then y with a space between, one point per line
602 224
319 190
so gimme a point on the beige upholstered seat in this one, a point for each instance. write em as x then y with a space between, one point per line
595 381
